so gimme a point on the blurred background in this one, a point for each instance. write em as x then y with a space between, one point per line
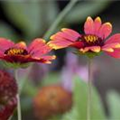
29 19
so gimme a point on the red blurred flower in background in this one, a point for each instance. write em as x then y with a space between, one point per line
51 101
8 92
18 55
93 41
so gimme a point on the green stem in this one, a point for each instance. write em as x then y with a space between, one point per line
59 18
18 98
89 89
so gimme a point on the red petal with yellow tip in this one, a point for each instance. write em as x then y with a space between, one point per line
113 39
112 45
72 33
36 44
59 43
105 30
21 44
37 52
97 25
115 54
5 44
64 36
89 26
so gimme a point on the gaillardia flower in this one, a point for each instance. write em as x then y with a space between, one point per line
93 41
19 55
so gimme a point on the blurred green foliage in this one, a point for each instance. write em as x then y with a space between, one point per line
80 103
34 18
113 99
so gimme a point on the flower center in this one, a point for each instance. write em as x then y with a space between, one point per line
16 51
91 40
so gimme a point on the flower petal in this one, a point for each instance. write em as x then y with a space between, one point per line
113 39
95 49
44 59
115 54
89 26
108 49
64 36
21 44
112 45
59 43
71 32
37 43
84 50
97 25
105 30
38 47
1 54
5 44
38 52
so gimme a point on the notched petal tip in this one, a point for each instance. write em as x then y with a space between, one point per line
52 37
117 45
63 29
109 24
98 19
89 18
96 49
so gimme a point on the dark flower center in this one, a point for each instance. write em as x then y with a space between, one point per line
91 40
16 51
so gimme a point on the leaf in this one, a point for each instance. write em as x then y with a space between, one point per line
113 99
80 103
82 10
32 17
7 32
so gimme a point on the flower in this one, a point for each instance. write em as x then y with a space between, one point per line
19 55
8 92
92 42
73 68
7 110
52 100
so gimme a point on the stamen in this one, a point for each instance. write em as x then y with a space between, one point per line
16 51
91 38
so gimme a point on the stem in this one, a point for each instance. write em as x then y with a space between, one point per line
18 98
89 89
59 18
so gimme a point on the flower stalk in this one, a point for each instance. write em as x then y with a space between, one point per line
59 18
18 98
89 89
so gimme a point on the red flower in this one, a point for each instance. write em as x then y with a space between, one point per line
8 92
19 53
7 110
93 41
52 100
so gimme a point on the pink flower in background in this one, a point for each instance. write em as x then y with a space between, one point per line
93 41
72 68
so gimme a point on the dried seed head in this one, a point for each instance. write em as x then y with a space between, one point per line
52 100
8 87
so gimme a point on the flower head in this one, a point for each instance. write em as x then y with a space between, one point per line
92 42
19 55
52 100
8 92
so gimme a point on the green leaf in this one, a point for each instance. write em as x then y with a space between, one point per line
87 8
113 99
80 103
7 32
32 17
